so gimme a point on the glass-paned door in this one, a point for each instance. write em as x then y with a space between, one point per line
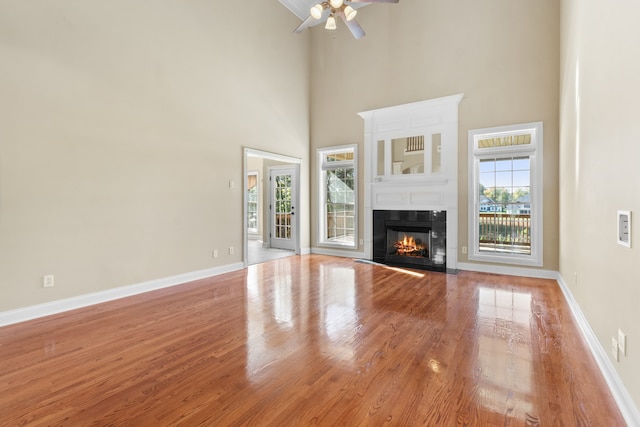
283 201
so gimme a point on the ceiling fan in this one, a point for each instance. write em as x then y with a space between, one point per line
328 10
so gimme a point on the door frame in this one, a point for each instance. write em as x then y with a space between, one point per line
293 161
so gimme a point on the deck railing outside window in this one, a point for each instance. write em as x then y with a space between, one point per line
504 232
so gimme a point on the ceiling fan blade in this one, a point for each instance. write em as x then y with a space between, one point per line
305 24
353 26
374 1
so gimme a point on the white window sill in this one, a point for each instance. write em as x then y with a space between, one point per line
525 260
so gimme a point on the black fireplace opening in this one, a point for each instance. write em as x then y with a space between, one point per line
414 239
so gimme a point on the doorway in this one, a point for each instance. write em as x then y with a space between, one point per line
282 188
271 200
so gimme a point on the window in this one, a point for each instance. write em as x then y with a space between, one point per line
337 181
252 202
505 203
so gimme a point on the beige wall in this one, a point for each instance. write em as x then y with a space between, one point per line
122 124
599 169
502 54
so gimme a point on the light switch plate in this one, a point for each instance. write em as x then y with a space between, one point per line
622 342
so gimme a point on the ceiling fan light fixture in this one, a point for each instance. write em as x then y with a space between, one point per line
350 13
336 4
316 11
331 23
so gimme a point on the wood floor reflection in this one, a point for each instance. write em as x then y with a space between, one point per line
310 340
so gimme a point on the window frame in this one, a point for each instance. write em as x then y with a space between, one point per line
535 153
323 167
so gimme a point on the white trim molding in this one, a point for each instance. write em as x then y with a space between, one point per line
59 306
619 392
508 271
337 252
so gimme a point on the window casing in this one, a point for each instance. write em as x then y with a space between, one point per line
505 194
338 196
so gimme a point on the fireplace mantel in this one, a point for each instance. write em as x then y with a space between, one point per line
423 179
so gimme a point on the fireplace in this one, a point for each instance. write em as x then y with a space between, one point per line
411 182
414 239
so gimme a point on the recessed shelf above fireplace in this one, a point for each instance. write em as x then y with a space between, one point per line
417 156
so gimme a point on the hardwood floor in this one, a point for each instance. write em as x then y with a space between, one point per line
310 340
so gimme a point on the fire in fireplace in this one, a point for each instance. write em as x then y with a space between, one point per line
410 246
410 239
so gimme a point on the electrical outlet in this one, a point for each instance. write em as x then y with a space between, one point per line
47 281
361 242
614 348
624 228
464 249
215 253
622 342
230 250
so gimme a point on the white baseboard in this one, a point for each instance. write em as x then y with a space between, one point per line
337 252
618 390
509 271
66 304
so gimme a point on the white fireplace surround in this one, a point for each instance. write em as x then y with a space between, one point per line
429 190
